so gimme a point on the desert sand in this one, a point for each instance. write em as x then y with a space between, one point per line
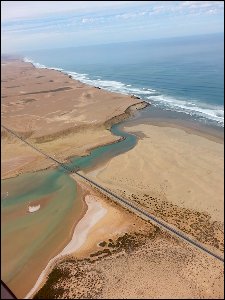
125 256
117 253
176 175
101 220
62 116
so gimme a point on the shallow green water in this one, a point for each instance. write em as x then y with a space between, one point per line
56 192
106 152
25 235
32 186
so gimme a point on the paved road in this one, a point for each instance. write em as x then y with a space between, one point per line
126 203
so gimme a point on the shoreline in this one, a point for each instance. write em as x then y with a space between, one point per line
128 113
187 127
205 133
162 119
71 124
216 120
160 116
81 229
106 125
116 119
79 233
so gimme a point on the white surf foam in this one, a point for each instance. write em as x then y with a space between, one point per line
194 107
191 107
40 66
36 65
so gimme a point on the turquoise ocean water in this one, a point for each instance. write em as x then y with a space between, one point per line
177 74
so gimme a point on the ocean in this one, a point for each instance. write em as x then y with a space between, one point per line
184 74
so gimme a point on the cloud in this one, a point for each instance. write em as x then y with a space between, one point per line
203 6
23 11
35 20
61 22
12 10
87 20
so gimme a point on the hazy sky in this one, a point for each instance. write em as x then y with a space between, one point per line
29 25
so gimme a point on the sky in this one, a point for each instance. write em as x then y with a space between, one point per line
31 25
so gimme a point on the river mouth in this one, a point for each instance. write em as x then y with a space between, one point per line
58 196
28 236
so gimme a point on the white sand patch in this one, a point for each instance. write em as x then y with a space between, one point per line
92 216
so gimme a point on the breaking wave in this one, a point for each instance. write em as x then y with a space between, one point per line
189 106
